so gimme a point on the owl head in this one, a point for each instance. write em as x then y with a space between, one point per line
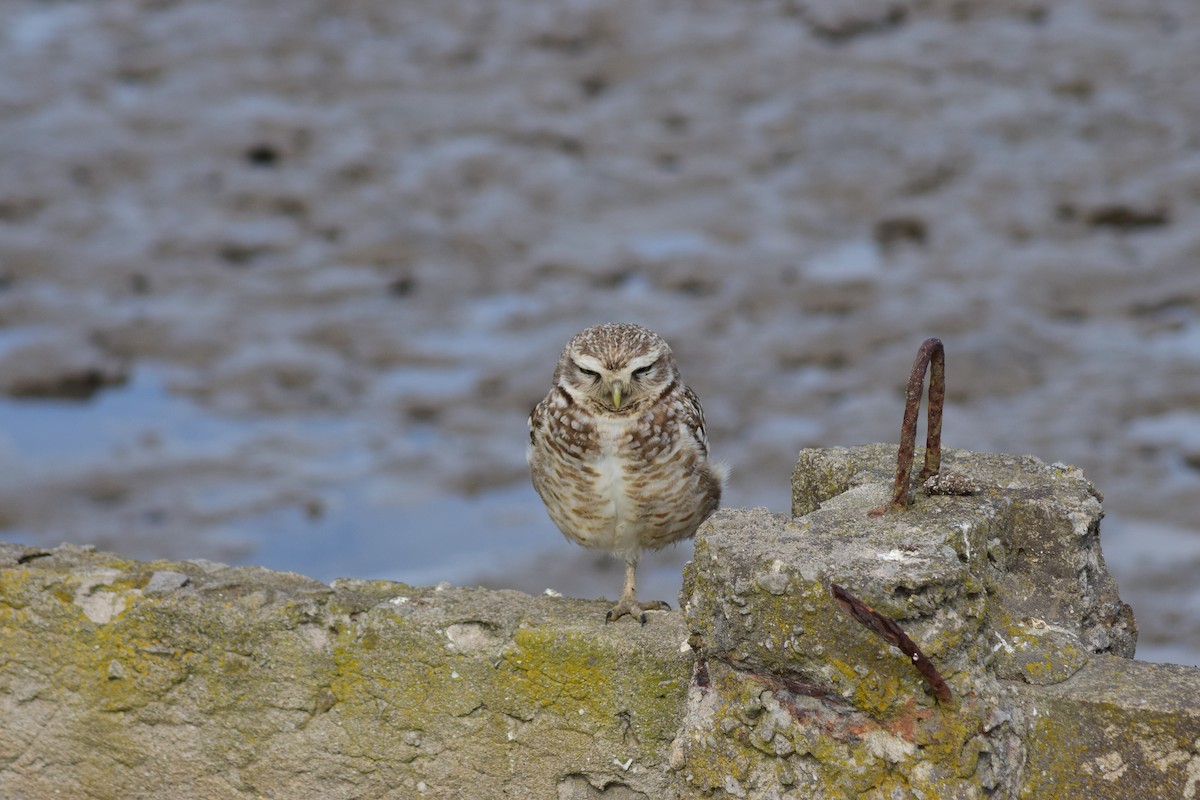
616 367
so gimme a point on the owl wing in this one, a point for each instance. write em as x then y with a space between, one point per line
539 418
691 417
535 422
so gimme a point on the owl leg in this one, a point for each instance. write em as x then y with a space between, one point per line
628 604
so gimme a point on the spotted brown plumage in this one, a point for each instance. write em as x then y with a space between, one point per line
618 450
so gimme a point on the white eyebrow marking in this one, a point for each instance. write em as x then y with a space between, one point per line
588 362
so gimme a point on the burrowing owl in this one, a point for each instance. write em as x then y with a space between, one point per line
618 451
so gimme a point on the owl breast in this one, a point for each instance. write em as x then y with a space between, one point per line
621 483
619 529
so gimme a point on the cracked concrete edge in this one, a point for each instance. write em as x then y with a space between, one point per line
121 679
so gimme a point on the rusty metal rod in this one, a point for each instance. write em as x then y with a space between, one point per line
932 357
891 632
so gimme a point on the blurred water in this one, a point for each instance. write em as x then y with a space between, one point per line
1156 567
120 423
365 533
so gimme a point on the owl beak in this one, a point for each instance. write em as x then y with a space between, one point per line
616 396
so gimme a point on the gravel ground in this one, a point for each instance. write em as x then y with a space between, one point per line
279 281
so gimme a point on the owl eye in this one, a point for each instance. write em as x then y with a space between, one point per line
642 372
588 372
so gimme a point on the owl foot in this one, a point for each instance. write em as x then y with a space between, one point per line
632 608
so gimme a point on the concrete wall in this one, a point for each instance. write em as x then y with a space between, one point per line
121 679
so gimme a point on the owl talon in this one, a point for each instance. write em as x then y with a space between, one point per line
625 608
632 608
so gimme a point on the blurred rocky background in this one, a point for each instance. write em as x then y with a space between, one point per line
280 281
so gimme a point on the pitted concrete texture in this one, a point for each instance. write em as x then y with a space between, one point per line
124 679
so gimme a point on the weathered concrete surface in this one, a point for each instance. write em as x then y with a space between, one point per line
1031 535
121 679
1118 730
127 680
1003 589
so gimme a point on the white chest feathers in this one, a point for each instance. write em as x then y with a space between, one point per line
612 462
